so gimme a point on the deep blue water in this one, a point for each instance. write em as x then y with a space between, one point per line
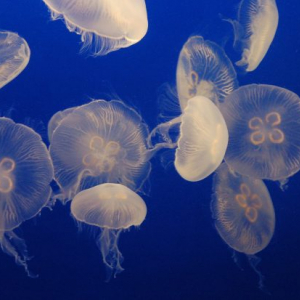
176 253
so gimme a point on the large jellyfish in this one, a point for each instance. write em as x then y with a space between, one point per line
202 141
263 123
104 25
243 213
204 69
254 31
100 142
25 174
113 208
14 56
56 119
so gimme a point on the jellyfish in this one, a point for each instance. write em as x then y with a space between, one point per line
202 141
204 69
56 119
100 142
243 213
14 56
254 31
25 174
263 125
104 25
112 208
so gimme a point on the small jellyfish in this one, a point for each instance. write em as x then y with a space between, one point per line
254 31
25 174
263 123
202 142
243 213
204 69
113 208
104 25
100 142
14 56
56 119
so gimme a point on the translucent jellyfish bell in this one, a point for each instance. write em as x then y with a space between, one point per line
263 124
113 208
204 69
100 142
254 31
202 141
243 213
14 56
25 174
56 119
104 25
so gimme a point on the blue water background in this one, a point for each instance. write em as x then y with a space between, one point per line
176 253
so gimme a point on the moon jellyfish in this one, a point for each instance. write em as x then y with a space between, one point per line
100 142
243 213
104 25
264 124
204 69
112 208
56 119
25 174
14 56
202 142
254 31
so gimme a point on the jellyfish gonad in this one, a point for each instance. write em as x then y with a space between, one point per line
14 56
202 141
243 213
204 69
263 125
100 142
111 208
104 25
25 174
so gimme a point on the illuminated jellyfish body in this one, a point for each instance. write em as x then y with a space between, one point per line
202 141
100 142
25 174
263 123
254 31
113 208
204 69
104 25
56 119
14 56
243 213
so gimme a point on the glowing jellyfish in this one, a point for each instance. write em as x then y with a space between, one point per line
263 123
14 56
100 142
202 141
204 69
104 25
113 208
56 119
243 213
25 174
254 31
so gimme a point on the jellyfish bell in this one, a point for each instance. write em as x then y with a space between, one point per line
14 56
56 119
100 142
25 174
254 31
202 141
243 213
112 208
263 124
204 69
104 25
